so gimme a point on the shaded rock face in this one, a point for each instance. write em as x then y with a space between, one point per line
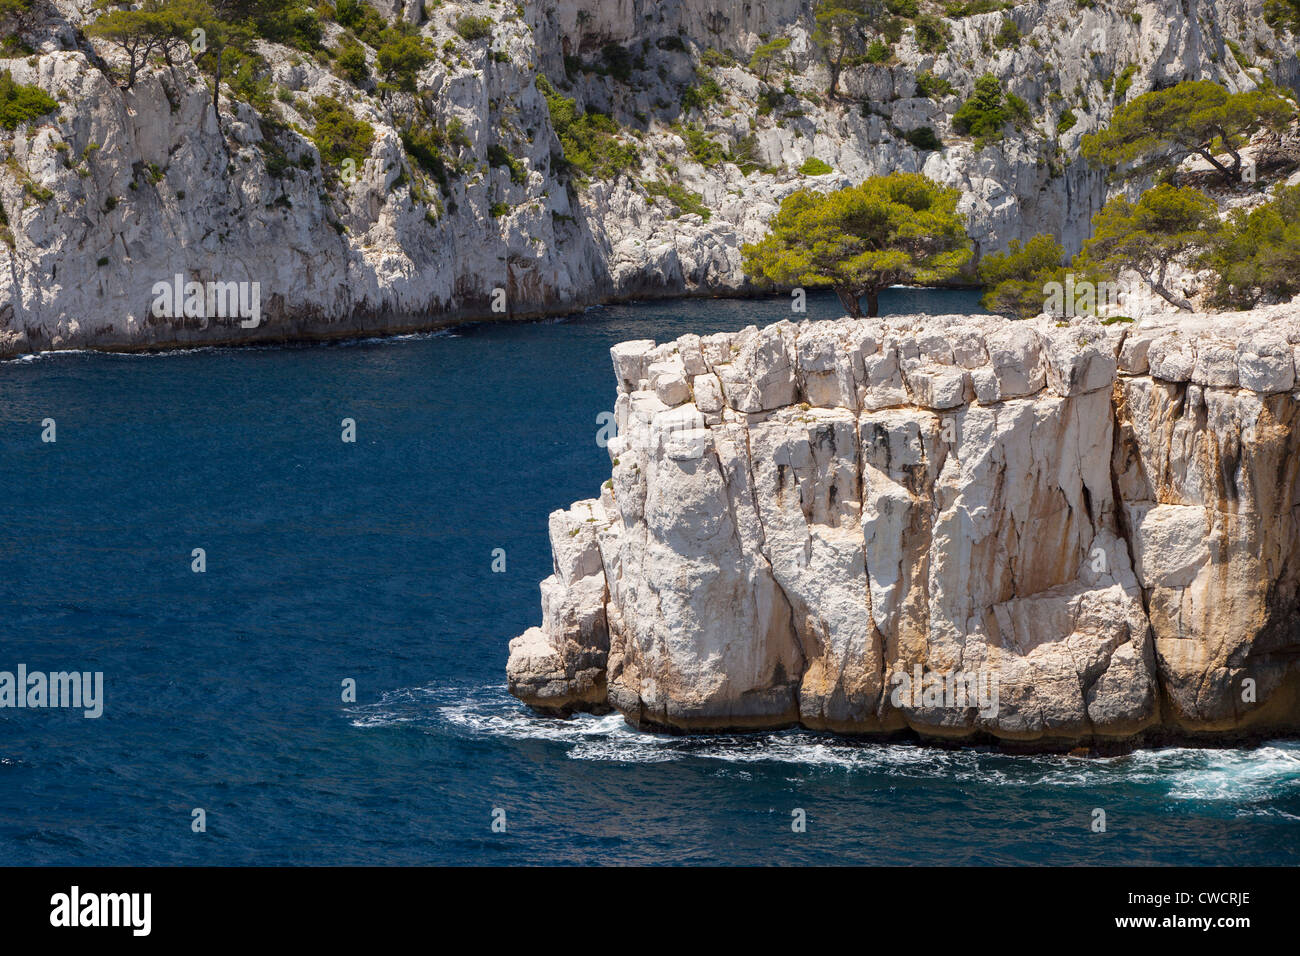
835 524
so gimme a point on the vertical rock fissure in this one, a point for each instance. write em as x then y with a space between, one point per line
797 679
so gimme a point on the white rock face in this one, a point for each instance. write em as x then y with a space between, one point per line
120 190
560 666
1100 522
148 183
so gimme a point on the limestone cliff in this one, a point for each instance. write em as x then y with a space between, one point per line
1104 518
123 188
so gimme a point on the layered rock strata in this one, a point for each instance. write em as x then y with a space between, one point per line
1098 522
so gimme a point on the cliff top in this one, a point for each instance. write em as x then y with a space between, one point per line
943 362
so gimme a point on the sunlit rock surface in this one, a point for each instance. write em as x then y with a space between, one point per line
1104 517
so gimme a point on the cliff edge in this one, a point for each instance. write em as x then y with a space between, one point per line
1042 533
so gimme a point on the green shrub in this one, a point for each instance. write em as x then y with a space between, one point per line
1243 61
618 62
293 23
924 138
401 58
815 167
498 157
703 150
701 94
1015 281
1282 15
745 154
589 140
362 19
712 57
351 61
1124 81
988 111
12 45
456 134
473 28
19 103
933 87
1008 35
932 34
276 157
425 146
685 201
338 134
957 10
1017 110
1067 121
1257 253
769 100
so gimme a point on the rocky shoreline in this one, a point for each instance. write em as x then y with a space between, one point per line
1099 522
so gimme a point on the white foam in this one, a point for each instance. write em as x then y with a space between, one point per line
445 333
1183 773
30 357
173 352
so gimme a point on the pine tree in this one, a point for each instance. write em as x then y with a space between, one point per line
900 228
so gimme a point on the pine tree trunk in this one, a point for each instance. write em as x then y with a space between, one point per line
850 301
1157 285
216 87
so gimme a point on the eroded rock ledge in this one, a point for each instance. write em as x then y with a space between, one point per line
1103 517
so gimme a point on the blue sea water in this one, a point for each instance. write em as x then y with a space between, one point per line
372 561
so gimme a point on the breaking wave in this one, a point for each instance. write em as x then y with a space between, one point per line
1247 778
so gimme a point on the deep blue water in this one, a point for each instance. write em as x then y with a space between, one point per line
372 561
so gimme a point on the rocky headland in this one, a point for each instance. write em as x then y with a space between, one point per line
1102 519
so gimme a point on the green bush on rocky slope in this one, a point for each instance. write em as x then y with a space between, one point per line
19 103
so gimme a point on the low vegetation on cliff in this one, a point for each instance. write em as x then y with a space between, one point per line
19 103
1253 254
